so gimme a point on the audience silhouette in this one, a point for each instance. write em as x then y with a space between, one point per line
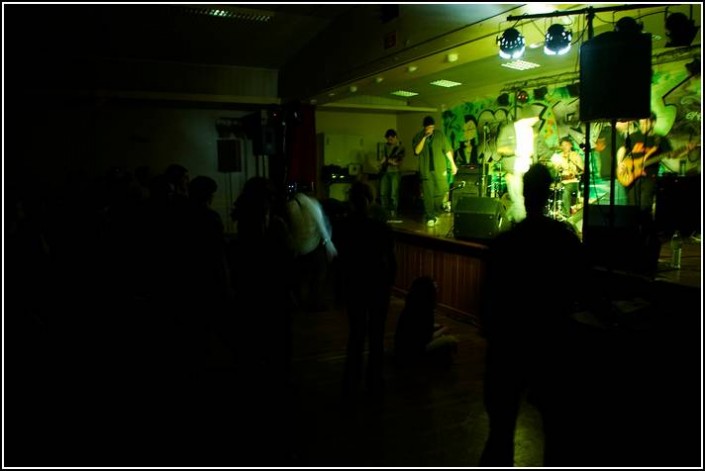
527 323
368 267
418 337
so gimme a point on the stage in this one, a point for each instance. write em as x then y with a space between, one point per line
458 264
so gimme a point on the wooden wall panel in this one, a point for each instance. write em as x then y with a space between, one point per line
458 272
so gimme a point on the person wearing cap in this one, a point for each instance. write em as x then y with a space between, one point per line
435 156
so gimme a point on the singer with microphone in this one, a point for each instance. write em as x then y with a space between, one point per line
435 157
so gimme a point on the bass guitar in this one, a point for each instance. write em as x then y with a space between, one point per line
630 169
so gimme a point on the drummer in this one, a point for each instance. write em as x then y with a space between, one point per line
568 165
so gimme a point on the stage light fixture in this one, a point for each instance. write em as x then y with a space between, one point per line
503 99
511 44
557 40
628 25
680 30
540 93
522 96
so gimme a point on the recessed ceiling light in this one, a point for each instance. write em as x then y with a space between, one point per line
452 57
446 83
353 88
404 93
331 94
412 68
233 12
379 79
520 65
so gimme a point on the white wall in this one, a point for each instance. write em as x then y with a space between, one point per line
370 126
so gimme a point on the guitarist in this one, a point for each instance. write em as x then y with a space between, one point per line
390 173
630 157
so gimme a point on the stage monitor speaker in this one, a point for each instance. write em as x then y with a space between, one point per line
229 155
477 218
625 244
615 77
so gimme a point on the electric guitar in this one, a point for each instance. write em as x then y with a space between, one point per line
392 156
630 169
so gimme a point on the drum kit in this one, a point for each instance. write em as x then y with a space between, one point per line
554 207
496 180
557 200
495 184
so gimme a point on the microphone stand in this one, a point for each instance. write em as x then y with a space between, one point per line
485 166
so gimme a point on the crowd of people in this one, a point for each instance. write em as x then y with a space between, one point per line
141 281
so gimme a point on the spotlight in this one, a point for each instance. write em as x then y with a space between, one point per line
540 93
680 30
511 44
522 96
503 99
558 40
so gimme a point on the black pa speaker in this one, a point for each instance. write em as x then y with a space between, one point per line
615 77
477 218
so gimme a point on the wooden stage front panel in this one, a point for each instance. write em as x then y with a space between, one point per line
457 266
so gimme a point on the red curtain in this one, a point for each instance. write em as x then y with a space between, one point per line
302 149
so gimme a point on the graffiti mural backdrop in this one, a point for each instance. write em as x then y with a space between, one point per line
473 127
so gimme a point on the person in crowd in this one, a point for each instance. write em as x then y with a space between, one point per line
529 334
177 177
367 265
205 291
390 172
418 337
261 261
314 249
435 154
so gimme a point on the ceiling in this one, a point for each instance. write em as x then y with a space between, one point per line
480 70
275 35
266 36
